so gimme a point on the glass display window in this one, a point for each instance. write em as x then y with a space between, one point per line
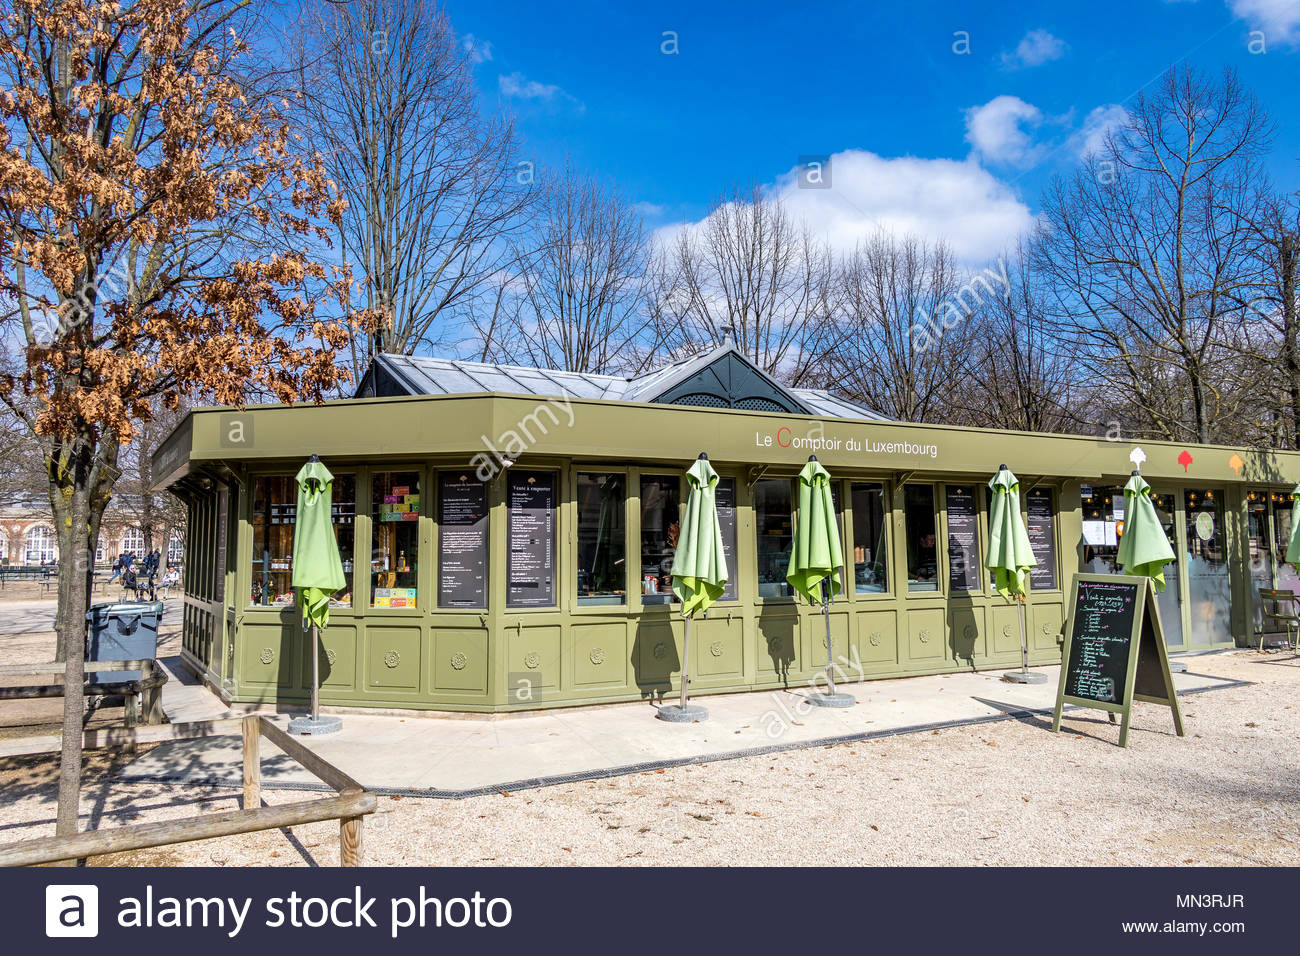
660 526
394 539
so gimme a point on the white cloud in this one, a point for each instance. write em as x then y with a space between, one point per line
1101 120
954 200
1279 19
480 51
648 209
516 85
1034 49
997 131
519 87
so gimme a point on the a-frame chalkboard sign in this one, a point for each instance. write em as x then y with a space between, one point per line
1114 650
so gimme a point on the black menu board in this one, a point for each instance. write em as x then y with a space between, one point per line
530 538
462 541
1115 651
725 499
1101 640
1040 523
963 539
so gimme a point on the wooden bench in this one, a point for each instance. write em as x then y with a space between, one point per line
28 572
1279 608
142 696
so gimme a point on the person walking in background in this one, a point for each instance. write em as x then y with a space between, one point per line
119 564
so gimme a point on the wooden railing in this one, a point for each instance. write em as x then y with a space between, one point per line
349 806
149 685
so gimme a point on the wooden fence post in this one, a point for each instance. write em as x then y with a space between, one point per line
252 763
350 837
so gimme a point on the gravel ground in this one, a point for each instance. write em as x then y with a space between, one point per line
997 794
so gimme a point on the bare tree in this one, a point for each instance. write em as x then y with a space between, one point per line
1013 372
432 186
1145 251
1269 342
886 357
157 513
750 271
578 294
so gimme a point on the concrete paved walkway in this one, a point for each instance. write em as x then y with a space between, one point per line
465 756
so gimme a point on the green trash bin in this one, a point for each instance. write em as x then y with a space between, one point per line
122 631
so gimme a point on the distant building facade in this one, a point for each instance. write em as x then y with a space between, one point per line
27 537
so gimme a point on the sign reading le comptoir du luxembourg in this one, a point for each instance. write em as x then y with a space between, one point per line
815 441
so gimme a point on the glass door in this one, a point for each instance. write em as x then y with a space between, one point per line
1287 579
1209 594
1261 555
1170 600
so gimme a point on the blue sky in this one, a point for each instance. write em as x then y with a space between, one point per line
924 138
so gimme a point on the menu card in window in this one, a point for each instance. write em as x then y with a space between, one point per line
725 499
963 539
1040 523
530 539
462 541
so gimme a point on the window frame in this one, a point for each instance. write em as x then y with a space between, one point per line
940 589
851 541
575 600
362 602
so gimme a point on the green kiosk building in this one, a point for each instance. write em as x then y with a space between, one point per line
506 535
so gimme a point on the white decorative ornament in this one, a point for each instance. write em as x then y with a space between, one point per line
1137 456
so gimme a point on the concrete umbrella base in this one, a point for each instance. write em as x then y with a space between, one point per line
315 726
831 700
677 714
1178 667
1024 677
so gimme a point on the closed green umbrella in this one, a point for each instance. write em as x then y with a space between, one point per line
317 573
699 568
1144 548
1293 544
1010 558
815 559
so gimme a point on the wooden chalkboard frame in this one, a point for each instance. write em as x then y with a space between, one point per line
1147 653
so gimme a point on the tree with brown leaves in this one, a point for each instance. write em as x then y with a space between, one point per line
156 244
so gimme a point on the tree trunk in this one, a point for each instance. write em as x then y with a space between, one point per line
1288 267
78 496
71 511
1198 403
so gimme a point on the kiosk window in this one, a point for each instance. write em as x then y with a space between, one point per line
602 545
394 538
870 543
1103 523
773 527
660 524
922 549
275 503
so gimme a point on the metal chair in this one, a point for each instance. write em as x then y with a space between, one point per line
1279 608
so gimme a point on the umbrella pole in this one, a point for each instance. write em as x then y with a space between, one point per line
686 656
315 672
1024 643
830 663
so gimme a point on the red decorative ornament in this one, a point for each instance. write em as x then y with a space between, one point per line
1185 459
